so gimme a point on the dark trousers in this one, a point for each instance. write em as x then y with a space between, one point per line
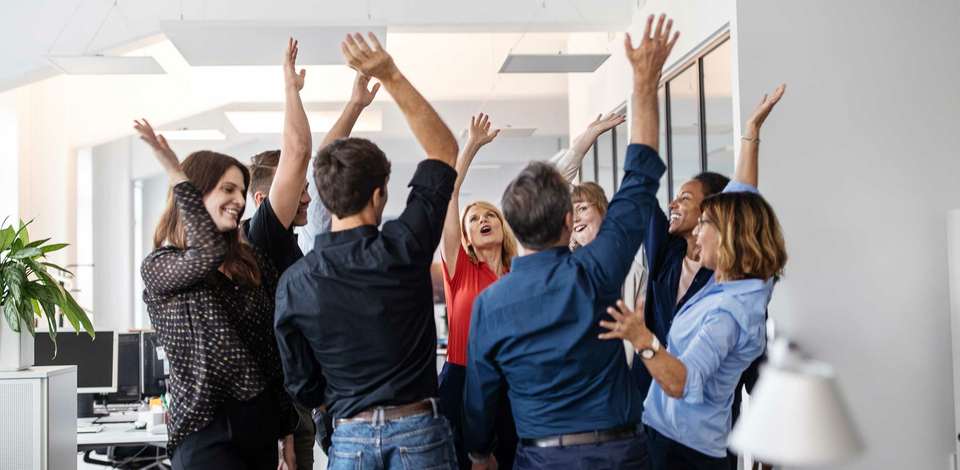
667 454
242 436
452 380
627 454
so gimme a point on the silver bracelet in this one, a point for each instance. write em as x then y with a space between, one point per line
479 460
756 141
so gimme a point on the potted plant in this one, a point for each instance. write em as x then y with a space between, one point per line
26 289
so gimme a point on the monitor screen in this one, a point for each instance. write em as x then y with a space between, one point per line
128 369
96 359
154 367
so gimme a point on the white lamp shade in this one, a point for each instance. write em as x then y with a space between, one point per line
796 418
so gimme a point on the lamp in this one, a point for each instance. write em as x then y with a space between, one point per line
796 415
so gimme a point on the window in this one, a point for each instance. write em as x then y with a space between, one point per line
696 126
696 118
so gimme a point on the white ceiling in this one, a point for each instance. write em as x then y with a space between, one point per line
30 29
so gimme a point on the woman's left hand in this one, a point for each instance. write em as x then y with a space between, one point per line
288 458
628 325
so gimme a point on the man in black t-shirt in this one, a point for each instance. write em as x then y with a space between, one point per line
359 305
283 205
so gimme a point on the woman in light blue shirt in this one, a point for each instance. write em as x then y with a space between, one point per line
713 338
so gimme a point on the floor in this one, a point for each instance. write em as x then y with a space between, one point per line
319 463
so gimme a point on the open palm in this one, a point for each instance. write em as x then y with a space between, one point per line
763 109
480 130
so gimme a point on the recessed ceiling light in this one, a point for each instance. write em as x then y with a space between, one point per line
552 63
105 65
271 122
193 134
505 131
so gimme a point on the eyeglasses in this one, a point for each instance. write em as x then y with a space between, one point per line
702 221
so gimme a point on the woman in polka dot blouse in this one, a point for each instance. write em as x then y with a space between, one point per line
210 296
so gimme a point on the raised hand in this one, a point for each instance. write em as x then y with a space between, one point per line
371 61
480 130
161 149
752 128
647 59
599 126
360 94
290 75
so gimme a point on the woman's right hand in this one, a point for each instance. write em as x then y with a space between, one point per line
480 130
162 150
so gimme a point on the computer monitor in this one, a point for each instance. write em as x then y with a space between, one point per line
154 366
128 370
96 359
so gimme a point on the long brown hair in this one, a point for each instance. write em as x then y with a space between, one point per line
509 249
751 241
204 169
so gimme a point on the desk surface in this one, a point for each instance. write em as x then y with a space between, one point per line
115 434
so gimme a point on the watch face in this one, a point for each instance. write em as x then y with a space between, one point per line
646 353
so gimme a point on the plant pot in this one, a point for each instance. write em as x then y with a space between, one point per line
16 349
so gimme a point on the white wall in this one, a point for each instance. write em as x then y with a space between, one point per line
9 154
860 162
113 236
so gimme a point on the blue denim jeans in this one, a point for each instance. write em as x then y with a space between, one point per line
416 442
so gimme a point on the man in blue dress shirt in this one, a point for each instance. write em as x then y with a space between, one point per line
535 331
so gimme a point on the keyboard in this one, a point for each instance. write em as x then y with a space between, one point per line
123 406
89 429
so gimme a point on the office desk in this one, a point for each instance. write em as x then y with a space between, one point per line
116 434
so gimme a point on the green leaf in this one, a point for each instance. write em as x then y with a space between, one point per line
79 314
17 245
25 252
36 243
24 235
11 314
26 313
7 236
40 292
58 268
15 277
55 247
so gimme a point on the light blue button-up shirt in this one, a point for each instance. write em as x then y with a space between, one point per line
318 217
717 334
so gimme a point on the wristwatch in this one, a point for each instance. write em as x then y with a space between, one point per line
653 349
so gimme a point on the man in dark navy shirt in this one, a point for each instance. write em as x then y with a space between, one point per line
535 331
358 308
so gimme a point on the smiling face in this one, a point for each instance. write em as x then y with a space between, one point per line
300 219
225 202
586 222
708 241
685 209
482 227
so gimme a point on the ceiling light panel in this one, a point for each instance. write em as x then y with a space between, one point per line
271 122
193 134
552 63
227 42
105 65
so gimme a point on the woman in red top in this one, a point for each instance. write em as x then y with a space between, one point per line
477 249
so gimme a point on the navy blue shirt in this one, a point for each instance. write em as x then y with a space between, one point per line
535 330
359 308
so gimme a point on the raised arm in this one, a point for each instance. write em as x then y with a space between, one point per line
569 163
296 144
647 61
360 98
480 135
167 271
434 136
747 165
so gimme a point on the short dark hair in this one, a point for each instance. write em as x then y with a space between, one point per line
712 183
536 204
347 172
262 168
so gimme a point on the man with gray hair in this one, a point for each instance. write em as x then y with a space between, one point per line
535 330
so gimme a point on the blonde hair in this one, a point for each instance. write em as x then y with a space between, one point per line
510 246
751 241
590 193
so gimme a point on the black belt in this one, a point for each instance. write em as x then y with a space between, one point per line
591 437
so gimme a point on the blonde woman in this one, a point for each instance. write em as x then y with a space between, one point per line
714 337
477 248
